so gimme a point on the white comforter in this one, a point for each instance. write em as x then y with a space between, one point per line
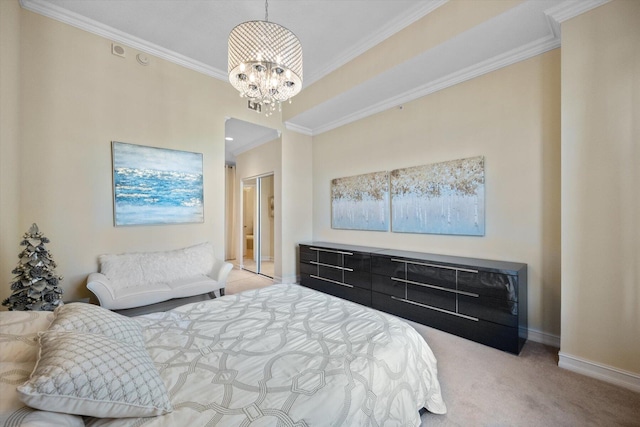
286 355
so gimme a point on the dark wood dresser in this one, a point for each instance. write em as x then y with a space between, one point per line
481 300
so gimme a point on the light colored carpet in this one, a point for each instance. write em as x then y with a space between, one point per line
240 280
483 386
486 387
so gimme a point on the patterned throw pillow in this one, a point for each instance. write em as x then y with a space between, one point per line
94 319
94 375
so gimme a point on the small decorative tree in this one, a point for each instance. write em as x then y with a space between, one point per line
35 286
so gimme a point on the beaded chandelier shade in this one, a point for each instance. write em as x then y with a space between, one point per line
265 63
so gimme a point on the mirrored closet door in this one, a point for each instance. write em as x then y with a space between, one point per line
258 225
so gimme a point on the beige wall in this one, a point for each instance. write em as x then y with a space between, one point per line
512 118
601 187
10 233
297 199
74 99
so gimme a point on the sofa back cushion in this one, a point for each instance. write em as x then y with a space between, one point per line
137 269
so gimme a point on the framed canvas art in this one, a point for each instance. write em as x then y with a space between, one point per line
361 202
440 198
156 185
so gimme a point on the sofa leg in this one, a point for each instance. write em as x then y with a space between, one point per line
213 295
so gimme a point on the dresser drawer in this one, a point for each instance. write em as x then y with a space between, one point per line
431 275
385 267
414 271
388 286
504 312
308 269
331 273
445 300
358 262
330 258
348 292
307 255
361 279
494 285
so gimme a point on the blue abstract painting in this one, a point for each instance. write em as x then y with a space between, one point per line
156 185
440 198
361 202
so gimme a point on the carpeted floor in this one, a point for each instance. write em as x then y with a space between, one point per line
483 386
486 387
241 280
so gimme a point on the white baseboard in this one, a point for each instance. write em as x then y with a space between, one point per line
619 377
543 338
286 279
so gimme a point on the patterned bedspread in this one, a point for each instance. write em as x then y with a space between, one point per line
283 355
288 356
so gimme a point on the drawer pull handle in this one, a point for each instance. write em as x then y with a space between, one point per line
333 252
434 265
440 288
475 319
332 281
332 266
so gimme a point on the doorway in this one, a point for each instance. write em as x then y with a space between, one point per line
258 221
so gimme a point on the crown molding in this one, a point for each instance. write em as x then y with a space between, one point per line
572 8
511 57
59 14
299 129
389 29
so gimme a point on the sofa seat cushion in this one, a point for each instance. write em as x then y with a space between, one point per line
162 291
194 285
142 295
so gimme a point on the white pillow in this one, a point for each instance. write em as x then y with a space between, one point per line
94 319
17 359
94 375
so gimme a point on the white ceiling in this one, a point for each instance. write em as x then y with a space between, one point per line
245 137
194 33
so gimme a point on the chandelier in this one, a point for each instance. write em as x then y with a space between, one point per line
265 63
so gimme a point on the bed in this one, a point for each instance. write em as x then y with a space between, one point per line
283 355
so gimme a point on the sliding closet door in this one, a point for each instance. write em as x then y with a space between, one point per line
249 222
258 225
266 225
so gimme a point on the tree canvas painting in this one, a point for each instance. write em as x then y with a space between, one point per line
156 185
361 202
440 198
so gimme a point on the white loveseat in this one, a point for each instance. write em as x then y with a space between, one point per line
142 278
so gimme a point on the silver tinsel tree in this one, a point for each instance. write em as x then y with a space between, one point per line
35 286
